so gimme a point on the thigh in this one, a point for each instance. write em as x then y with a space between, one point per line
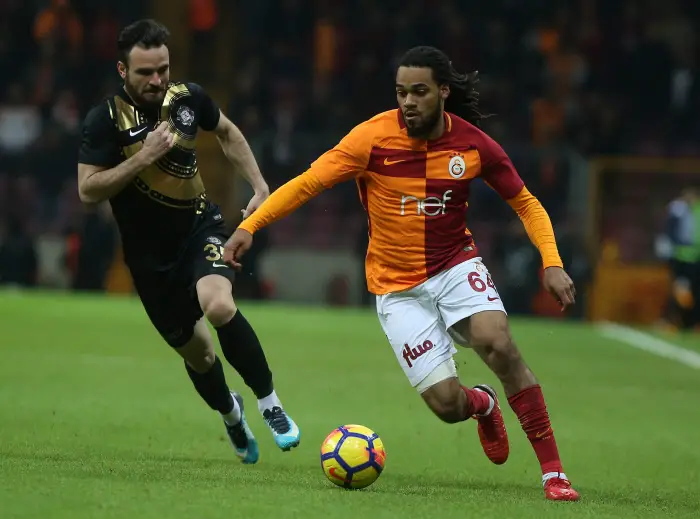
416 333
463 291
484 329
167 304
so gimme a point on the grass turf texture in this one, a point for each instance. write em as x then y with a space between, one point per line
99 420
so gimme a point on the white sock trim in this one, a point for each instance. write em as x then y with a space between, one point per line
234 416
552 475
492 402
269 402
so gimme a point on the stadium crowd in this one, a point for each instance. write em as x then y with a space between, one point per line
565 80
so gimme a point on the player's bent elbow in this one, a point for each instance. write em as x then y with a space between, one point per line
88 191
84 197
87 197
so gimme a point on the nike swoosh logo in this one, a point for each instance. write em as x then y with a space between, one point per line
493 298
132 133
388 162
219 265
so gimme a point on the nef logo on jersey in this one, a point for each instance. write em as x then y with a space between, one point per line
410 354
457 167
430 206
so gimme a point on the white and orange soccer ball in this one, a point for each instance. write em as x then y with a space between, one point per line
352 456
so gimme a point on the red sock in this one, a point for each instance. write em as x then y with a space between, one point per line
478 402
531 410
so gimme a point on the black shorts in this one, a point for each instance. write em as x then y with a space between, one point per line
170 296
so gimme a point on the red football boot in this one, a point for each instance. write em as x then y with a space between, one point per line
559 489
492 430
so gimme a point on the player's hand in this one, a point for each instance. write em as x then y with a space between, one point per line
558 283
258 198
236 246
158 142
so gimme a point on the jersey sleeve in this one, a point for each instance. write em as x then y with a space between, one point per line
346 159
209 112
497 169
283 202
98 145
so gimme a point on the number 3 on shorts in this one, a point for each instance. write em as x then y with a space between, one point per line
216 252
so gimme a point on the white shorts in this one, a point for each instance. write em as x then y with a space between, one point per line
417 322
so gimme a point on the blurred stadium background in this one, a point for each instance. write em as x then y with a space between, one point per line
596 101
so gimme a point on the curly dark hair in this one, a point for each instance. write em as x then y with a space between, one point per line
464 98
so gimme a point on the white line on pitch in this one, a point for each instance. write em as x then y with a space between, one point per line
649 343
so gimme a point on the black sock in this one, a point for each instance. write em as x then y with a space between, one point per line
212 387
244 352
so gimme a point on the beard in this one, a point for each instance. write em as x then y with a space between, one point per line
425 126
154 100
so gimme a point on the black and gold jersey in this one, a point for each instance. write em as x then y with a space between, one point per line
166 202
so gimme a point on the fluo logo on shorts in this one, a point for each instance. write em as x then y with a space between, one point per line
410 354
430 206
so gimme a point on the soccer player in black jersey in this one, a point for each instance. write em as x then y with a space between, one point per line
138 152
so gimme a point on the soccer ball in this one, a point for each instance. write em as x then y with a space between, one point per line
352 456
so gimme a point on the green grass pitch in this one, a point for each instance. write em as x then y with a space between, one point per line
98 420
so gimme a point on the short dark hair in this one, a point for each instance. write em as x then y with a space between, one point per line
145 33
464 98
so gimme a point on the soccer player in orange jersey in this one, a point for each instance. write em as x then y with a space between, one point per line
413 167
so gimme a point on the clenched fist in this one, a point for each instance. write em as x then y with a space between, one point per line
158 142
237 245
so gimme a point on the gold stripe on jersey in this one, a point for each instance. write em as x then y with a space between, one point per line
182 140
171 167
166 181
169 201
170 186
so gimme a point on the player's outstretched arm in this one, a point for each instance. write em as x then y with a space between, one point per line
343 162
98 183
499 173
238 152
284 201
539 228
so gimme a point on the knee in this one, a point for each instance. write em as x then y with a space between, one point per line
219 309
202 363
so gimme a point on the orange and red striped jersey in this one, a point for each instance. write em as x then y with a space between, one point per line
415 193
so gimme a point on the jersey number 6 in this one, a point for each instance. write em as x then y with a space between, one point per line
478 284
